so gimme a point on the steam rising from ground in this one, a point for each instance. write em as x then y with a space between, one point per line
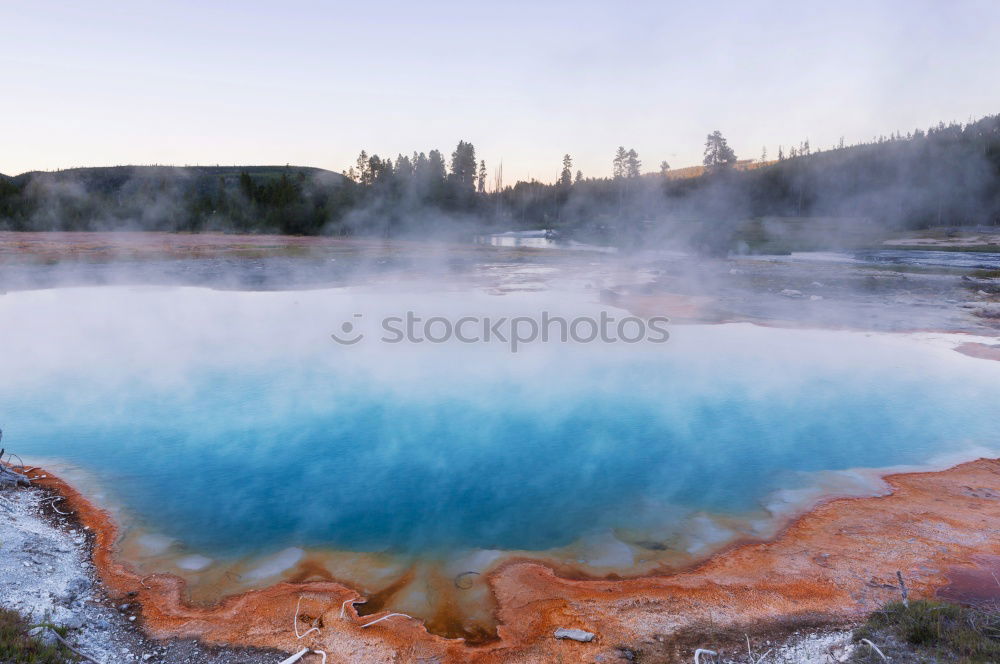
946 176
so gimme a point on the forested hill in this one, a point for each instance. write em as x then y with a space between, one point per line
944 175
108 178
285 199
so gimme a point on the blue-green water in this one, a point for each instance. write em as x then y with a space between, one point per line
251 458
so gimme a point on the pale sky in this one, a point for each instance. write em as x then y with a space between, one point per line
312 83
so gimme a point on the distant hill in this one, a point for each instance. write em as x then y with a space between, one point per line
287 199
103 177
698 171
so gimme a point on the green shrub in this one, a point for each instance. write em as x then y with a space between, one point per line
17 646
949 632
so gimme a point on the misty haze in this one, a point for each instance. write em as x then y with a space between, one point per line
681 346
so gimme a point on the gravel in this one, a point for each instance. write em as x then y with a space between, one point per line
46 575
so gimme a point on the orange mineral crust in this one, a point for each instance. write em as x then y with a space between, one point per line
835 563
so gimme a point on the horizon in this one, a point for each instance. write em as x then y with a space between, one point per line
771 159
101 86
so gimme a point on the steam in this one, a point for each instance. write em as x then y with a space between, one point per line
945 176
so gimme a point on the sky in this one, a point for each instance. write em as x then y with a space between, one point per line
313 83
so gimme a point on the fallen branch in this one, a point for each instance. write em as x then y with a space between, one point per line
295 623
902 589
10 478
701 651
755 660
875 648
52 504
63 641
7 474
378 620
10 456
296 657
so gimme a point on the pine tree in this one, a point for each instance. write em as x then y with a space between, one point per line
404 167
632 164
435 165
482 176
428 174
718 154
618 169
379 170
566 177
362 167
463 166
579 177
664 168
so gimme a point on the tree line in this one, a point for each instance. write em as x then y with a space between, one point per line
946 175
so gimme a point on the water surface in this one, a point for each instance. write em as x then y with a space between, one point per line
230 425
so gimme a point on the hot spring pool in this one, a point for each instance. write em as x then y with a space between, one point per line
226 427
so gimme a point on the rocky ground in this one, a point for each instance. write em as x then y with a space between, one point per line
46 575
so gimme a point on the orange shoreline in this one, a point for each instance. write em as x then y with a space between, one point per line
836 562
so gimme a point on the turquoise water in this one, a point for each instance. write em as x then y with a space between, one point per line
248 458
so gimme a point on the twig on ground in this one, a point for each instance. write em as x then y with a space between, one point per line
378 620
296 657
754 660
63 641
295 623
702 651
902 589
875 648
322 653
8 476
52 504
